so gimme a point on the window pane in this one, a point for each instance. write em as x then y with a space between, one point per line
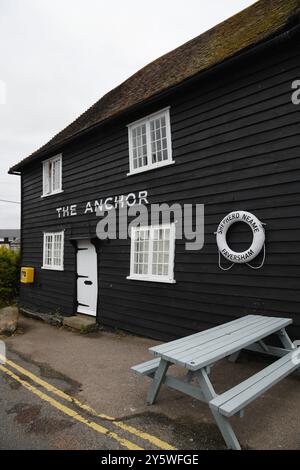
53 250
159 143
48 250
57 261
56 168
150 141
139 146
161 256
46 177
141 251
155 263
52 175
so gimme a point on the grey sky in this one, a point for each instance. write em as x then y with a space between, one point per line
60 56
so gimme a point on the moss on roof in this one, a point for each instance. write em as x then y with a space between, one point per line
249 27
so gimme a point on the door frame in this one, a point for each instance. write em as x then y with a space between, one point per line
97 244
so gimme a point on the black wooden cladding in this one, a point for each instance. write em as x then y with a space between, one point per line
236 145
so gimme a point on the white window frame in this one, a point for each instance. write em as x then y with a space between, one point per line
152 277
51 191
146 120
52 266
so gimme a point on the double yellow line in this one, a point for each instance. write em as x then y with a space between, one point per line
76 416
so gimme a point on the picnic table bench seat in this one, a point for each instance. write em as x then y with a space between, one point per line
146 368
237 398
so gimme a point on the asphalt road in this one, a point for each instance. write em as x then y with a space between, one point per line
29 421
38 411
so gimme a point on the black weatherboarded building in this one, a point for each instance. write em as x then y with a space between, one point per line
213 123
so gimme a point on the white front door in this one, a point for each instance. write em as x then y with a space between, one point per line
87 278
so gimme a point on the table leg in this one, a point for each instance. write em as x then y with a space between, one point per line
222 422
189 376
287 343
285 340
157 381
226 431
234 357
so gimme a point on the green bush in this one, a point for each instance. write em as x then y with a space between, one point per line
9 275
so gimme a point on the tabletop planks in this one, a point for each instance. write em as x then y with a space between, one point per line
204 348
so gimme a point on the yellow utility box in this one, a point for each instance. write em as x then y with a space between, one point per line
27 275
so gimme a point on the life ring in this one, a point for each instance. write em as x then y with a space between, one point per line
257 242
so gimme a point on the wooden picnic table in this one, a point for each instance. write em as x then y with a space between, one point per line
197 353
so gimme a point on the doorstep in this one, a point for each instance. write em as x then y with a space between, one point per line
80 322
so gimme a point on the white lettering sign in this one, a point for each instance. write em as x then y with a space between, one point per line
67 211
106 204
